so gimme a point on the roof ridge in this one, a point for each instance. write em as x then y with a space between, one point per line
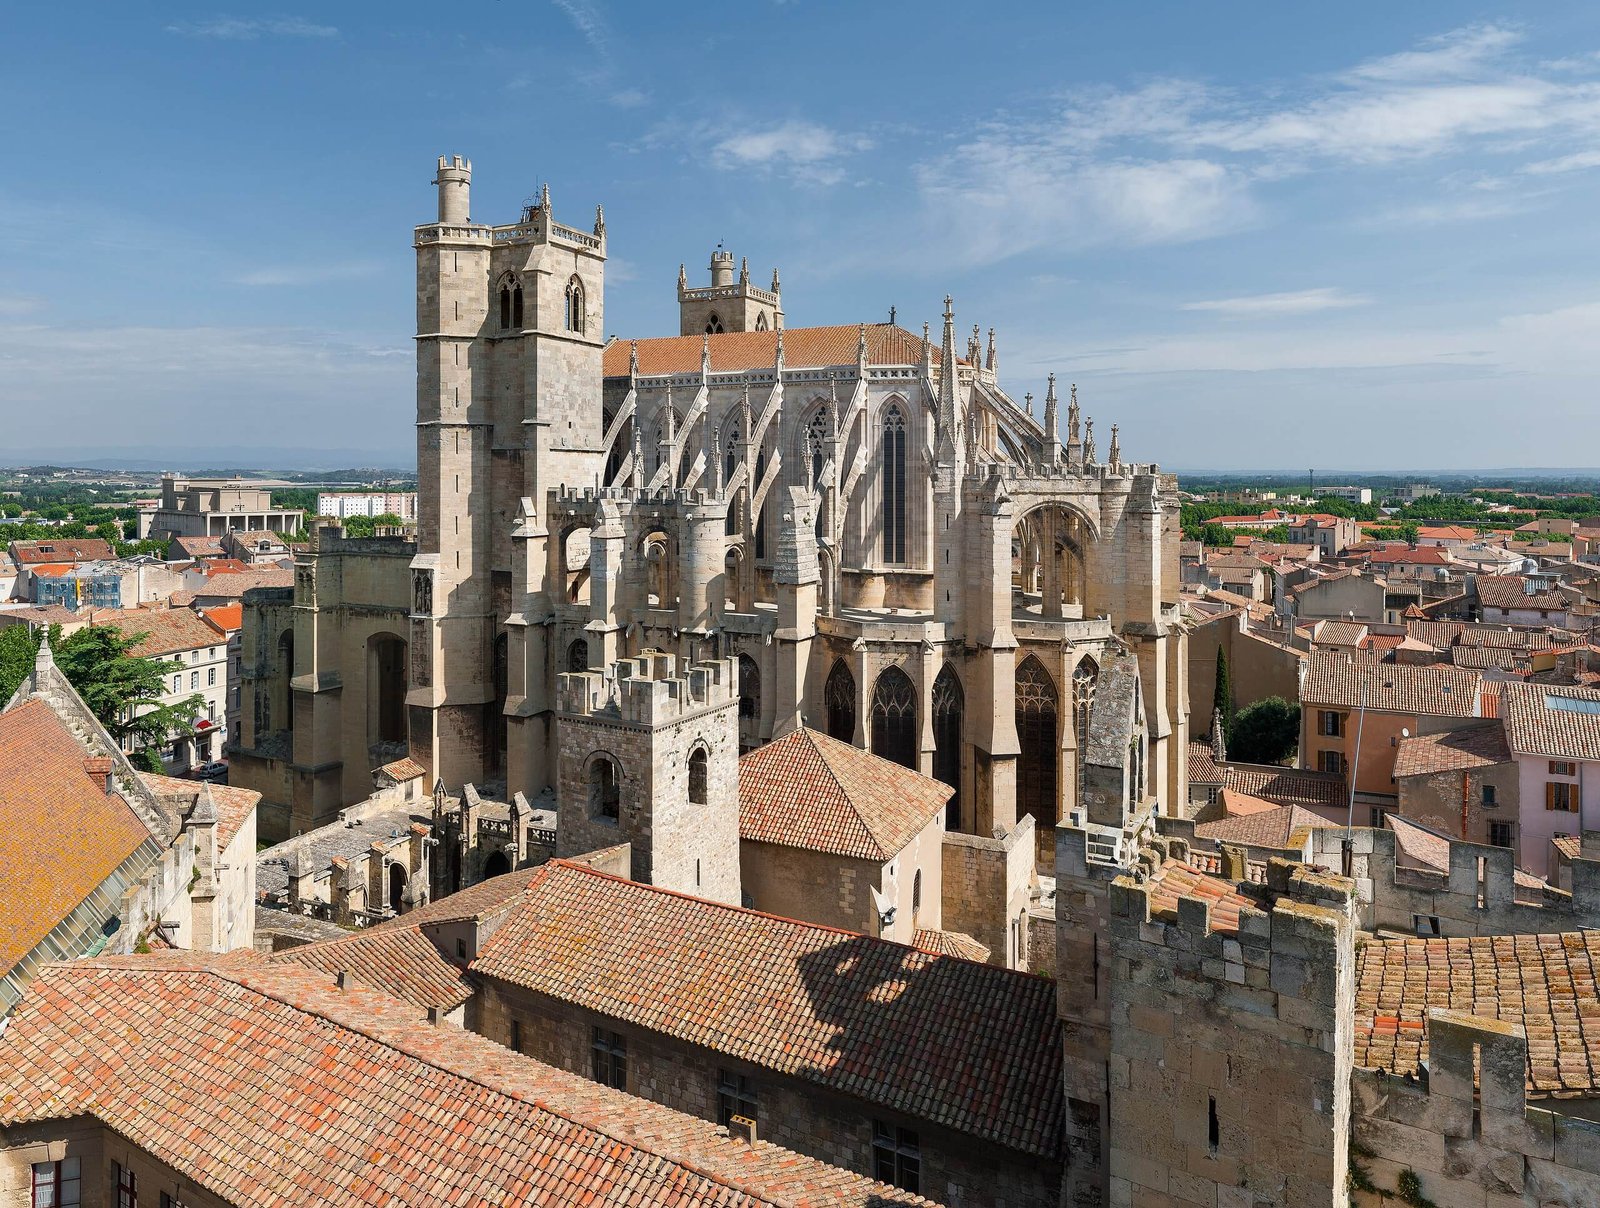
833 774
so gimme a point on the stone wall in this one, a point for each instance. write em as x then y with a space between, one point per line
794 1113
1231 1052
1442 800
1487 1148
95 1147
987 886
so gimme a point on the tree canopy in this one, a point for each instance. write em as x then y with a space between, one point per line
1265 731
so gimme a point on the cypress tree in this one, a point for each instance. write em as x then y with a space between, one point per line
1222 694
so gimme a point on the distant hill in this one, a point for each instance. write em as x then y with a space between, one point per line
215 458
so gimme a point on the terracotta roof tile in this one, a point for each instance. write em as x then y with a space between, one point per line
227 617
63 833
810 791
68 550
399 960
1507 592
1268 828
1287 786
973 1047
1203 765
233 586
404 769
950 943
1177 879
803 347
1546 983
1334 678
1551 720
364 1103
234 805
166 630
1455 750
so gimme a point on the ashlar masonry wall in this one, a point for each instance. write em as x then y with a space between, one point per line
1230 1051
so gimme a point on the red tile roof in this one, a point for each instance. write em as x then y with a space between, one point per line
1552 721
1546 983
1334 678
68 550
398 959
233 805
1453 751
233 586
345 1099
227 617
1264 828
1177 879
166 630
63 833
950 943
1507 592
803 347
973 1047
810 791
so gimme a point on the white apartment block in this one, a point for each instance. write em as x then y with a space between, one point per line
341 506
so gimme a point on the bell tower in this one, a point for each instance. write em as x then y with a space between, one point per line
729 303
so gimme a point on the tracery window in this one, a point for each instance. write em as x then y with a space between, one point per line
894 717
713 325
839 701
894 485
578 655
761 321
1085 680
575 306
749 688
817 443
1037 704
948 703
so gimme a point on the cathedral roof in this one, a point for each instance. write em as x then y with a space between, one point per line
365 1102
810 791
972 1047
803 347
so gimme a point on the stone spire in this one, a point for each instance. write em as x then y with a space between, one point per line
991 361
1088 443
683 276
927 354
1074 445
714 455
975 348
775 286
778 356
600 222
1052 429
861 351
633 360
544 198
948 372
746 422
1114 454
638 449
705 356
744 270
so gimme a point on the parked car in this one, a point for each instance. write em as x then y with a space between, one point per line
217 769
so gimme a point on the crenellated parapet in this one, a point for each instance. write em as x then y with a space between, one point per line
651 689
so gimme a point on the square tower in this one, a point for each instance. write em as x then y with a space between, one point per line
649 755
727 304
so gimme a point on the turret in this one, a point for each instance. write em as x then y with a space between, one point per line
455 190
721 268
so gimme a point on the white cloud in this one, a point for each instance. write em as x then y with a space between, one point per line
1299 302
587 19
1576 162
247 29
20 304
305 274
796 147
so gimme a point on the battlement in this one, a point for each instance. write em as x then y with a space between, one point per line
661 497
649 690
454 163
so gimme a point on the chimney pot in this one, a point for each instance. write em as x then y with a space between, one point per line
341 979
435 1016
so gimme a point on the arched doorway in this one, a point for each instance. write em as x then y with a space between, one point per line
397 886
496 865
948 703
1038 705
894 717
386 689
839 703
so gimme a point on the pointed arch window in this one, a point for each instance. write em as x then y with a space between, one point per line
1085 680
516 307
761 321
1037 708
505 307
948 704
575 305
894 717
817 444
761 517
578 655
714 325
839 701
699 766
730 457
894 484
749 688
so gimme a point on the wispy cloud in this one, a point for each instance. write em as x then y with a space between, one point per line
1298 302
794 146
1578 161
247 29
590 23
12 305
305 274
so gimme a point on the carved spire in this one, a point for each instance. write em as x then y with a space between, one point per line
638 449
1114 454
746 424
713 454
633 358
776 286
861 347
991 362
744 270
683 276
705 356
778 361
975 348
671 426
1052 430
927 354
949 433
600 222
1088 443
544 198
1072 417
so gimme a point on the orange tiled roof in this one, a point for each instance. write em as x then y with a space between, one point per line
1546 983
973 1047
1203 765
950 943
1551 720
165 630
69 550
234 805
803 348
398 959
1177 879
314 1095
1569 846
63 834
1507 592
1287 786
1453 751
404 769
234 584
1333 678
810 791
1262 828
227 617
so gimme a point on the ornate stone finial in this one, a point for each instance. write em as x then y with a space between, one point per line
1052 422
705 354
1115 452
600 220
204 812
1088 443
633 358
683 276
776 288
671 417
779 355
43 658
949 308
924 335
992 361
544 198
1072 417
1028 400
744 270
861 346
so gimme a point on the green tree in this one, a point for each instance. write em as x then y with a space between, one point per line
125 691
1222 697
1265 731
18 646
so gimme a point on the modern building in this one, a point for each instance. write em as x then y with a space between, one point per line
344 504
209 507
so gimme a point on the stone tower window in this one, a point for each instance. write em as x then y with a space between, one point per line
948 702
699 762
1084 682
761 321
714 325
749 688
578 656
1037 706
505 307
894 484
894 717
605 788
575 306
839 699
516 307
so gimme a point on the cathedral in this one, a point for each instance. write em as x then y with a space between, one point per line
888 546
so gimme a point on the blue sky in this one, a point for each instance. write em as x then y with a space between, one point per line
1359 236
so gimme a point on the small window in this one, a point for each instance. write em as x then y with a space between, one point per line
1212 793
211 677
713 325
1561 767
56 1184
1501 834
1331 762
896 1156
194 680
505 307
1427 925
575 306
461 950
127 1185
1328 723
516 1036
1559 795
736 1096
516 307
698 792
1488 795
610 1052
916 894
605 790
1213 1125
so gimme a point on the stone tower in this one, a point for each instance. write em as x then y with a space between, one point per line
728 303
509 323
649 755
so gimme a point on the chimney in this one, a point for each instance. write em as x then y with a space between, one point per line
742 1127
341 979
436 1016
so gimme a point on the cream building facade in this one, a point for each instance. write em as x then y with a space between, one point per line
890 548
